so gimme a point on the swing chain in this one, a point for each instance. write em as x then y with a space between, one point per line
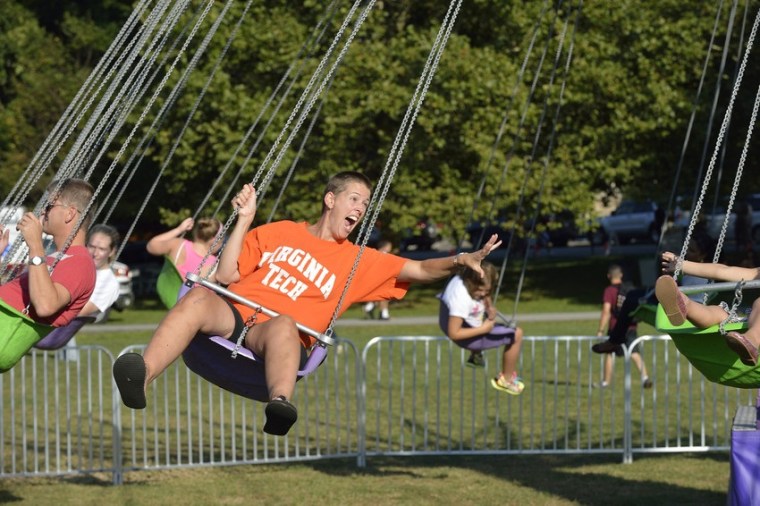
250 322
732 316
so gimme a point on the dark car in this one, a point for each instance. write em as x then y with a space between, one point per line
633 220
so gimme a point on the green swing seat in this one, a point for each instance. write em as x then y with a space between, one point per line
708 353
169 283
18 333
646 313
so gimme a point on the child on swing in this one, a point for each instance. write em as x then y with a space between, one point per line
468 317
679 308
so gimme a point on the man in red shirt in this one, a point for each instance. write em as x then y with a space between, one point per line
56 297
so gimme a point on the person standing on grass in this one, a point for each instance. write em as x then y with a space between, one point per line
613 298
295 269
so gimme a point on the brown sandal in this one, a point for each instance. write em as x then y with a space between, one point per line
743 347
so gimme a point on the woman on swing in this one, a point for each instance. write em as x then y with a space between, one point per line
296 269
185 254
679 308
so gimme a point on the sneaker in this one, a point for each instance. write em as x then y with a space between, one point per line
647 383
607 347
600 384
513 386
129 373
476 360
369 310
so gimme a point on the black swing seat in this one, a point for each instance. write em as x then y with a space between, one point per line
236 368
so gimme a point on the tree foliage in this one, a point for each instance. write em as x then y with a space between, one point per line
622 119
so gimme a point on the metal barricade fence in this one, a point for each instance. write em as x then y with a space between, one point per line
61 414
56 414
419 398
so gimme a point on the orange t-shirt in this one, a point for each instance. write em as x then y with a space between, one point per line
286 269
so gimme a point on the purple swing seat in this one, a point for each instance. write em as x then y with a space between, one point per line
499 335
210 357
59 336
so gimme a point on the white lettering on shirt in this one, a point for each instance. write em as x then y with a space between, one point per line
280 279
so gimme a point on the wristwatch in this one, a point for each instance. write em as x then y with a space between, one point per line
36 260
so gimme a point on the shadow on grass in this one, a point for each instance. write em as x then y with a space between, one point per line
559 475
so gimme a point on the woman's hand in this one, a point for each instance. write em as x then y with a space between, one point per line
473 260
669 261
245 201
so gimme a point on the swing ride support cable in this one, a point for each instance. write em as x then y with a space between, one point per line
306 92
161 115
296 70
724 148
301 110
301 147
190 116
128 98
137 91
98 117
692 117
502 126
550 86
517 136
716 97
399 143
63 127
719 141
171 100
18 246
110 169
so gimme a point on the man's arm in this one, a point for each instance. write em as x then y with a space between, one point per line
46 297
604 318
425 271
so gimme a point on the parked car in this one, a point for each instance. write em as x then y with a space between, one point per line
715 221
632 220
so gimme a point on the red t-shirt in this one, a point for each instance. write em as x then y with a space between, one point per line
286 269
615 298
75 271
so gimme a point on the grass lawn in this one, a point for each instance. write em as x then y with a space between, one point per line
474 480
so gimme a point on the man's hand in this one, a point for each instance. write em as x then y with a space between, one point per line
30 228
5 238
